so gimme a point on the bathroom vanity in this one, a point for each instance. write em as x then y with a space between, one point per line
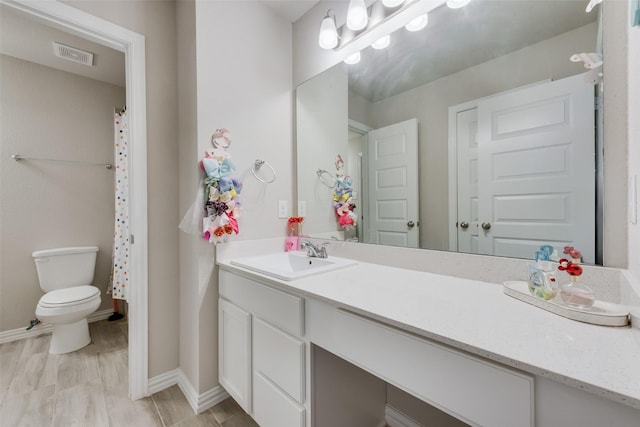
460 345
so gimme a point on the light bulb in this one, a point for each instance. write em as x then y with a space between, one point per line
328 37
382 42
418 23
392 3
357 17
457 4
353 58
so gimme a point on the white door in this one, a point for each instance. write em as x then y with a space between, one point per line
467 161
536 169
392 205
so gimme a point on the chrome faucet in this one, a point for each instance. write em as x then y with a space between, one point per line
313 250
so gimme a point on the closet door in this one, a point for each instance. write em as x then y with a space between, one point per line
536 169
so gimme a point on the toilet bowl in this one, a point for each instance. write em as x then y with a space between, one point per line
65 275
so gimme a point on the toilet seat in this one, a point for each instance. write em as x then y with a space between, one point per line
69 297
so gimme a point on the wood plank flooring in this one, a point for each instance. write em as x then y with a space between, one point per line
89 388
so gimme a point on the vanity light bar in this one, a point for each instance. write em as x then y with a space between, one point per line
351 43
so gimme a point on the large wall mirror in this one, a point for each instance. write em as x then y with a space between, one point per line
477 134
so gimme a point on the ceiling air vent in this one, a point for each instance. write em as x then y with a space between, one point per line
73 54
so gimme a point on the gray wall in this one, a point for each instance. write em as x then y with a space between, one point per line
188 180
156 21
633 158
52 114
322 134
242 72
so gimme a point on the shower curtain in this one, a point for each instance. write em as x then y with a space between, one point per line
120 268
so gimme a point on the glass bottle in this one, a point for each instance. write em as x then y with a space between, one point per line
577 294
542 282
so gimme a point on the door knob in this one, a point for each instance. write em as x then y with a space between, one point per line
464 225
411 224
486 226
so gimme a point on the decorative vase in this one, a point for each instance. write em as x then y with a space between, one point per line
542 281
577 294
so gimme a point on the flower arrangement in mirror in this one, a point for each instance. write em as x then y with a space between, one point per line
342 197
221 190
575 293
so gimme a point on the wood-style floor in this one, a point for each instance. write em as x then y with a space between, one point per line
89 388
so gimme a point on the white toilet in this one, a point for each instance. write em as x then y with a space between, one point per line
65 274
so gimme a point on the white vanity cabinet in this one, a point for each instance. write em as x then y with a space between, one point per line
261 352
269 335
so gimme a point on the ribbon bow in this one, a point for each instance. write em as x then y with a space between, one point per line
219 172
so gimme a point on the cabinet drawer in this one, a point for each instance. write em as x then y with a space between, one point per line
278 308
475 391
280 357
272 407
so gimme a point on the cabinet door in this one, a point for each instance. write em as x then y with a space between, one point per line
234 358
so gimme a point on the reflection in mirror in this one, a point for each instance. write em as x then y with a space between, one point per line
475 134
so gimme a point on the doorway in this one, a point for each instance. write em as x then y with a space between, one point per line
71 20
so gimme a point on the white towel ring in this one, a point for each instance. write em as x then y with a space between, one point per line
322 178
256 167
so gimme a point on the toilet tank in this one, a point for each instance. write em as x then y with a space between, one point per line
65 267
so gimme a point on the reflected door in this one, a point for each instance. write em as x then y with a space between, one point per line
536 169
392 205
467 161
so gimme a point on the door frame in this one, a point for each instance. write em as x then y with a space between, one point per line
453 169
363 130
132 44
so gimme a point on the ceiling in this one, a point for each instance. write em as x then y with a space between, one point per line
457 39
290 10
24 38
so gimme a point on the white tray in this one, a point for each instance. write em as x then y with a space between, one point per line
601 313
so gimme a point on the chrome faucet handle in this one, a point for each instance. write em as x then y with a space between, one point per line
323 250
312 250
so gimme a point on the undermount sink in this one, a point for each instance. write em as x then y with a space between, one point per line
291 265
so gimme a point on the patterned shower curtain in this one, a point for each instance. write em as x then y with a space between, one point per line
120 269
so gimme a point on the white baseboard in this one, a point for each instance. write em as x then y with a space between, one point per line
200 402
45 328
163 381
396 418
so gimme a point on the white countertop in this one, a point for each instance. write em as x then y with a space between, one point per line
479 318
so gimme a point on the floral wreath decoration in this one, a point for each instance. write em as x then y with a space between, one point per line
222 203
342 197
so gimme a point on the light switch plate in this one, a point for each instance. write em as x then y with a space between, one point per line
302 208
283 209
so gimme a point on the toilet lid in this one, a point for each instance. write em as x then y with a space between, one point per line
69 296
